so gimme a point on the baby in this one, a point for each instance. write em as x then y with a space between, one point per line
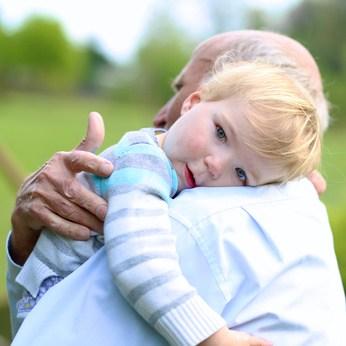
249 124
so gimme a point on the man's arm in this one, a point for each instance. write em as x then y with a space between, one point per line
53 198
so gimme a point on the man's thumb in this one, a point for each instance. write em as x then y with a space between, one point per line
95 133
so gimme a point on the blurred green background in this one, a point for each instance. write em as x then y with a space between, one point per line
49 83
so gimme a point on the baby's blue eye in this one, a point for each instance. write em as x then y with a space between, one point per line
220 133
241 174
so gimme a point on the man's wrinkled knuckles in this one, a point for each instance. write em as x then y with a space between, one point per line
74 215
50 173
75 160
60 226
28 204
35 192
58 158
64 208
59 155
20 199
30 215
75 233
45 175
35 210
87 205
73 212
92 166
28 180
71 188
84 161
56 226
25 187
64 229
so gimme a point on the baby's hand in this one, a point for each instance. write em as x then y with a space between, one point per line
227 337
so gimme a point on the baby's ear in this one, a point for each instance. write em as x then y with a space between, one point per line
190 101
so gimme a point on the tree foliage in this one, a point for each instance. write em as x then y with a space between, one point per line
42 55
98 69
5 54
321 26
165 50
39 56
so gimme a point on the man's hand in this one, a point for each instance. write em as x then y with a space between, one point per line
227 337
318 181
53 198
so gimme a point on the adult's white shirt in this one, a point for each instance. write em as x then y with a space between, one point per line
261 257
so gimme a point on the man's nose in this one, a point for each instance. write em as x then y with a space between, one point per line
160 119
214 165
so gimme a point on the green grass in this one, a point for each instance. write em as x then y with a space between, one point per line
334 168
33 127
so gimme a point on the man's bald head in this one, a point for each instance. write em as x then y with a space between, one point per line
220 44
247 45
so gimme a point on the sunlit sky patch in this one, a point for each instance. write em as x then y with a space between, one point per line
117 26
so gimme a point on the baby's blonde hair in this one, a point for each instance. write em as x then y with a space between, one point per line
285 126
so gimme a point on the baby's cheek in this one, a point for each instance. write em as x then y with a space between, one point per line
197 144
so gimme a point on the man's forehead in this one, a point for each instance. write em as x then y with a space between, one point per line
206 51
214 46
194 69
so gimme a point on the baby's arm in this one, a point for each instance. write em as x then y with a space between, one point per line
141 246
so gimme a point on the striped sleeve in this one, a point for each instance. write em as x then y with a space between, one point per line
141 246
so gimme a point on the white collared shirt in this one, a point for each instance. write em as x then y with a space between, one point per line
262 257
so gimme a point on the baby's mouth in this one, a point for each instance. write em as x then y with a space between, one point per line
189 178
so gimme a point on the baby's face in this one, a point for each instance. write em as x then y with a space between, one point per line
206 149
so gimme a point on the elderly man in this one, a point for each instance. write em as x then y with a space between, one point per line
266 254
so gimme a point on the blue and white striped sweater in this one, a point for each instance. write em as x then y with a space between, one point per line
139 242
140 162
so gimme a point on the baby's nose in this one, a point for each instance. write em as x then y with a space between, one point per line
214 165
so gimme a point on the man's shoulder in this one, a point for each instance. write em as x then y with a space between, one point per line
198 203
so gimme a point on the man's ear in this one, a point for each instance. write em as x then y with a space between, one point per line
190 101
